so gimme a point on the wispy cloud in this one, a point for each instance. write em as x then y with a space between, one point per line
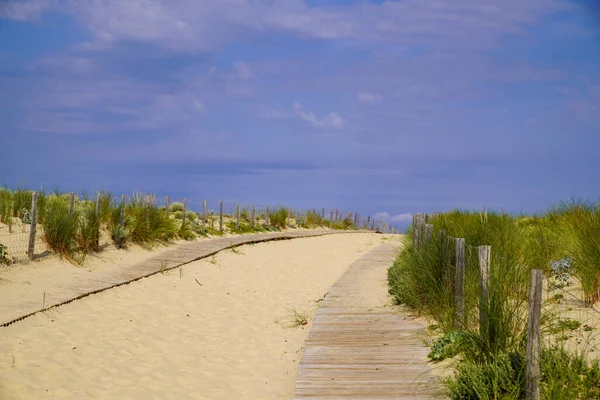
369 97
23 10
398 218
331 120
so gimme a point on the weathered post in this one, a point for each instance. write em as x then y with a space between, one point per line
298 219
33 226
237 217
71 203
484 278
148 203
253 216
331 219
459 290
221 216
532 373
267 216
203 216
98 204
184 210
167 203
323 213
123 200
428 232
336 215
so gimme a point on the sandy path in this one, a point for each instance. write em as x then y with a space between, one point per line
217 331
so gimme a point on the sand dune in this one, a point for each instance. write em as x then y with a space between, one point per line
216 329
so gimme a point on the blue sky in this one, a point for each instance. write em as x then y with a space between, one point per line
381 107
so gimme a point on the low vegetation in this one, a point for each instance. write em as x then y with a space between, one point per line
489 355
76 229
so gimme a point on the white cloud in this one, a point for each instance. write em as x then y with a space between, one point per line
191 25
369 97
387 217
23 10
331 120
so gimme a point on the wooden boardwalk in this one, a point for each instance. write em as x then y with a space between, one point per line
359 347
177 256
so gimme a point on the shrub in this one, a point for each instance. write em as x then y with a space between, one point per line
119 237
446 347
278 218
89 229
176 206
501 378
21 201
186 231
4 257
60 229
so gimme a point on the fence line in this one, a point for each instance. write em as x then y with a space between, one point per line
423 232
22 235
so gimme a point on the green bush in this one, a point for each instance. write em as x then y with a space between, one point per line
446 347
60 229
278 217
21 201
176 206
501 378
119 237
245 227
89 229
147 224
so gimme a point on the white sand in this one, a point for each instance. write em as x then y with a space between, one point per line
216 332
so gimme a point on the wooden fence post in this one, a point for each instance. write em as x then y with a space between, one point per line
533 374
148 202
71 203
298 219
484 278
33 225
331 219
414 230
323 213
123 199
428 232
203 216
253 215
336 215
184 210
167 203
459 290
237 217
267 216
221 216
98 204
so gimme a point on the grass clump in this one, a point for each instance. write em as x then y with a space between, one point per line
278 217
89 229
60 229
298 317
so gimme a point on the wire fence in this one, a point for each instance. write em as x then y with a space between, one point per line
17 244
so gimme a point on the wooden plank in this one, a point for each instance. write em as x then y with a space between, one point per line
361 351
